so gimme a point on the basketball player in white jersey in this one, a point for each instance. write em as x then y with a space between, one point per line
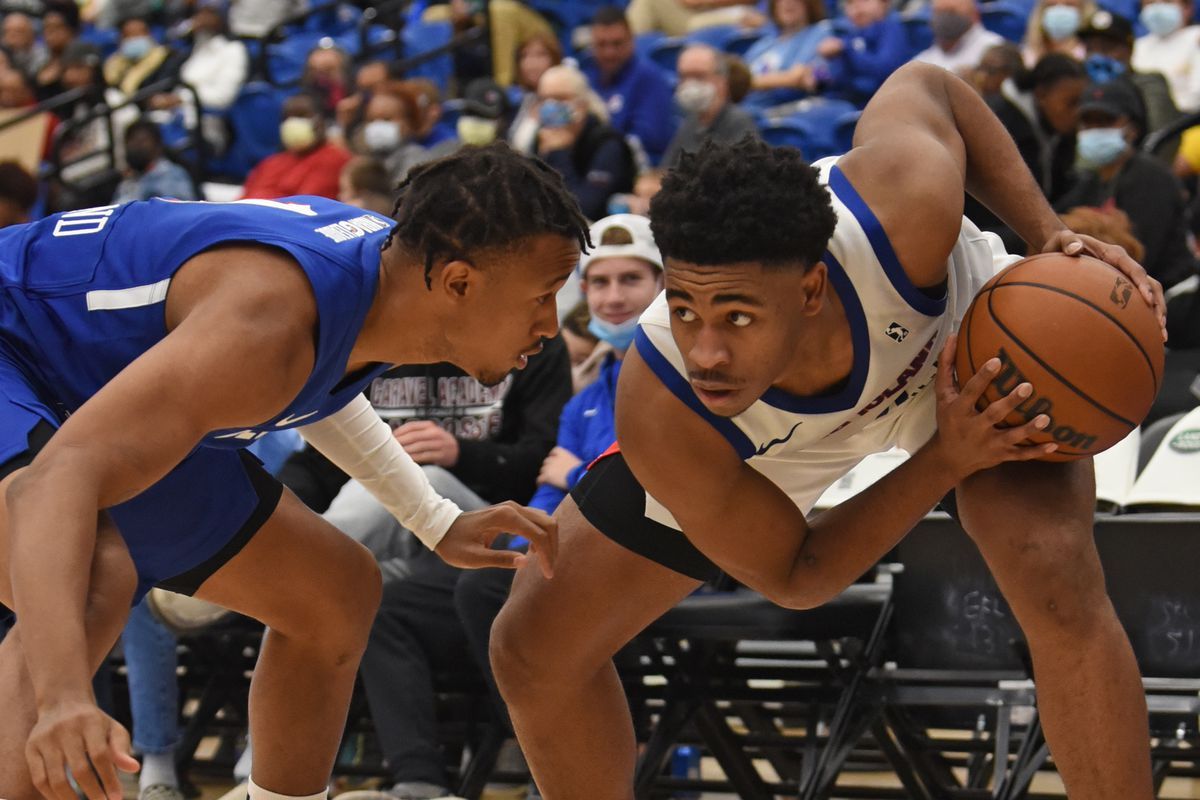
805 312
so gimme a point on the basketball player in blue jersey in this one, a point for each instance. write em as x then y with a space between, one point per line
142 346
800 330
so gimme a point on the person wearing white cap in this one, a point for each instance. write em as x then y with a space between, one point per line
620 277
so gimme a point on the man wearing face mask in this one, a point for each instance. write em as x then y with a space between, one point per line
139 59
1172 47
151 174
1114 175
575 139
959 39
703 95
485 107
308 164
1108 39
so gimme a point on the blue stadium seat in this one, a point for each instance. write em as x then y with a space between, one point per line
667 51
254 119
644 43
1128 9
844 130
1005 18
420 37
916 27
823 127
790 133
104 39
285 60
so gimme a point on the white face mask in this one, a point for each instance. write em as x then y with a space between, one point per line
381 136
695 96
1162 19
298 133
476 131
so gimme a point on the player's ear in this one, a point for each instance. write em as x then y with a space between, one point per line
457 278
814 282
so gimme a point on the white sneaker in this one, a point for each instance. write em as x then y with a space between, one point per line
160 791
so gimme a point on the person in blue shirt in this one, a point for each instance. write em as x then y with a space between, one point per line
854 65
145 346
780 63
619 277
151 173
636 92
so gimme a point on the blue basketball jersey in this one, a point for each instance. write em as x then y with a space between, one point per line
82 294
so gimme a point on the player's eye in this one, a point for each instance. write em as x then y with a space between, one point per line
685 314
739 319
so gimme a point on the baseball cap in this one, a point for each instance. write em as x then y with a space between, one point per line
1114 98
1106 25
631 229
483 97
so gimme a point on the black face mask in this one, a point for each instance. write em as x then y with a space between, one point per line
139 158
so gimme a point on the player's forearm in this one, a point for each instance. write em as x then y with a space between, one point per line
996 174
849 539
52 526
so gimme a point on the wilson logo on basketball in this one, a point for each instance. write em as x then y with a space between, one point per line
1010 378
1122 291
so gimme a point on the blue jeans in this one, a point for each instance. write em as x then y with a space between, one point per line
153 690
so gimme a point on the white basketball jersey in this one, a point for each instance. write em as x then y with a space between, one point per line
804 444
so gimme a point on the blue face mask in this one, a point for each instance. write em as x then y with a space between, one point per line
1099 147
1060 22
619 336
1102 69
136 48
555 114
1162 19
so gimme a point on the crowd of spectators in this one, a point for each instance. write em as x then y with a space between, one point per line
610 104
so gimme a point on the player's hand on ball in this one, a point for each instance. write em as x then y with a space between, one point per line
468 543
969 438
1077 244
80 737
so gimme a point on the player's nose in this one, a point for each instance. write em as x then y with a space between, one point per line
708 350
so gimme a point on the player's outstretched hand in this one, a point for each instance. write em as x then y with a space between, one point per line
1078 244
969 438
80 737
468 543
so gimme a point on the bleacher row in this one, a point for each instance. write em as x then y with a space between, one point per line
394 32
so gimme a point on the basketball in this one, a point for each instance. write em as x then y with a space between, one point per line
1076 329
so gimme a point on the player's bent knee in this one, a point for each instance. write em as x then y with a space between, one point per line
517 661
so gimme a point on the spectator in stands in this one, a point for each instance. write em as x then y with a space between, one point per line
999 63
1171 46
620 277
430 130
19 38
139 60
60 27
327 76
150 173
17 92
703 94
1040 109
859 61
259 17
580 341
635 91
538 54
308 165
216 68
781 63
1052 28
365 183
479 445
575 138
109 13
510 23
1114 174
959 38
679 17
18 194
349 112
484 113
1108 40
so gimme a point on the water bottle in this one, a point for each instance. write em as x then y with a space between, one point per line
685 763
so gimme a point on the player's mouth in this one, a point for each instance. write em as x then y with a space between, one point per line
713 393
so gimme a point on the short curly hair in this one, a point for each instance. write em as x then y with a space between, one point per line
731 203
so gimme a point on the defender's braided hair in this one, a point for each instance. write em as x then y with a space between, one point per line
481 197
